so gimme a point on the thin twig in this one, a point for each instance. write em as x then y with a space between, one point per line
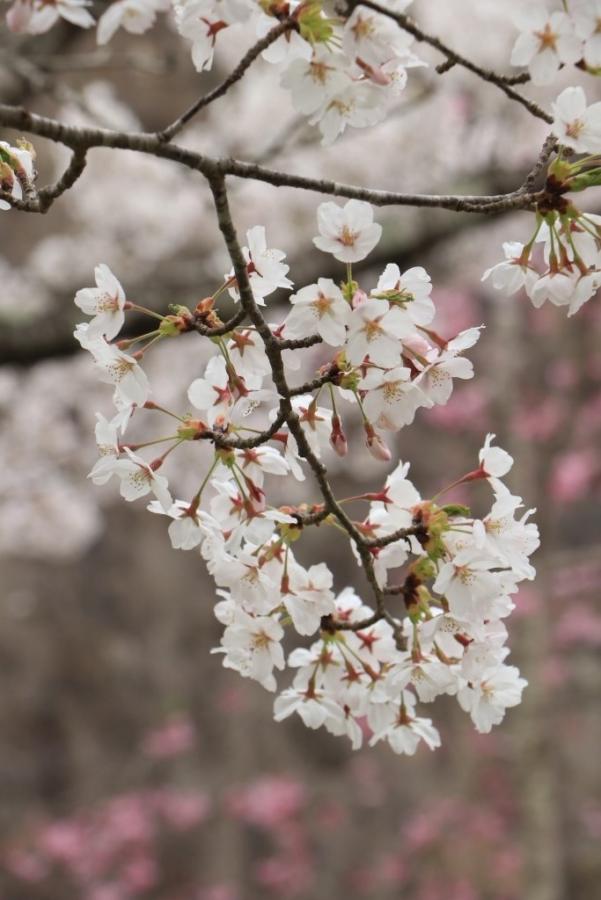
456 59
247 60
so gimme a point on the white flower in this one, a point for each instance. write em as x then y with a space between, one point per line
547 41
410 291
319 308
288 47
38 16
253 582
349 233
436 380
392 398
375 39
309 597
586 15
558 287
575 124
108 449
116 367
313 82
313 706
375 331
487 699
247 353
105 302
509 540
138 479
469 586
251 645
316 422
257 461
494 461
428 676
135 16
401 729
201 21
190 524
212 393
266 271
512 274
360 105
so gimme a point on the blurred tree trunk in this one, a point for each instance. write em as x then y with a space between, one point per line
535 743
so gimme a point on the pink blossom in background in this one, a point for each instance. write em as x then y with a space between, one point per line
232 699
26 866
267 802
573 475
456 310
578 625
561 374
467 410
140 873
528 602
588 420
172 739
285 876
182 809
591 819
554 672
539 421
218 892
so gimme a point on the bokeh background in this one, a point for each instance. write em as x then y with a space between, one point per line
132 765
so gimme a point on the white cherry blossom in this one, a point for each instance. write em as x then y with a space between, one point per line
575 124
319 308
349 233
546 41
105 303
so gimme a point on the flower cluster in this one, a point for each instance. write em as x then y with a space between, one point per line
571 239
38 16
340 71
369 667
17 170
550 39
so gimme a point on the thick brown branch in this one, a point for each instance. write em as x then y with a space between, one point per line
87 138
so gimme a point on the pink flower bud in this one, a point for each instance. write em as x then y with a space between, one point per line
417 344
376 445
18 16
359 298
338 438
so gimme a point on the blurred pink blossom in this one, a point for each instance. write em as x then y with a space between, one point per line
267 802
573 474
171 739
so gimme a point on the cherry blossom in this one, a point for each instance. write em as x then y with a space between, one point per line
265 268
135 16
319 308
105 302
349 232
38 16
575 124
547 40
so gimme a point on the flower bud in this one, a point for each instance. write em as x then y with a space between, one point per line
375 444
338 438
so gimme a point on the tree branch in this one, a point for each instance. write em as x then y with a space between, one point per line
87 138
235 75
456 59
